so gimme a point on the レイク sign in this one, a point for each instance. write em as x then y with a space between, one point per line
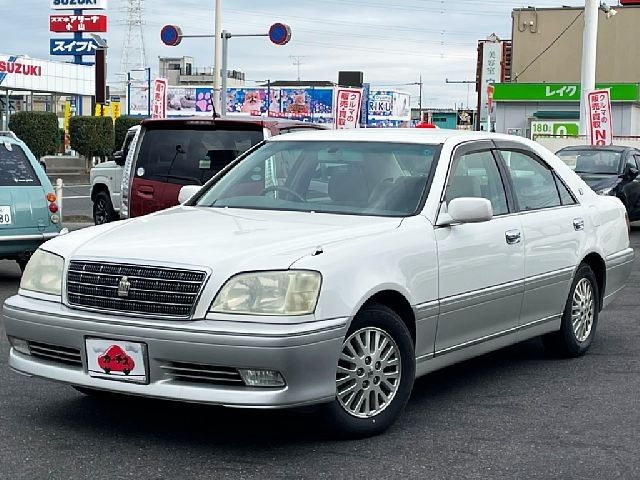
159 99
600 131
78 4
19 68
348 107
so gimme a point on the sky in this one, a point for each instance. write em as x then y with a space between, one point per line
392 42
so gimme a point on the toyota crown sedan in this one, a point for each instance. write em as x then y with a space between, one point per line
328 268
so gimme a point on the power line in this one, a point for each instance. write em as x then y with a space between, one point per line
297 61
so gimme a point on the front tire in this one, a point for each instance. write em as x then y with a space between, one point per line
374 374
580 318
103 211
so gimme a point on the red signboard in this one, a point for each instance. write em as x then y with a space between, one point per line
159 98
348 107
600 122
78 23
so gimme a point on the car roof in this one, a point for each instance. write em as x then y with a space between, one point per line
399 135
240 119
615 148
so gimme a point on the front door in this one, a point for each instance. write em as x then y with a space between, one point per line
481 266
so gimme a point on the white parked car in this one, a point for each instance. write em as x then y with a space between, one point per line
106 180
329 267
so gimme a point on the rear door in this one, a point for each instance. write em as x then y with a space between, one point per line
23 204
173 156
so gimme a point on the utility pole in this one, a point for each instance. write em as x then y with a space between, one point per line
217 71
420 99
297 61
589 51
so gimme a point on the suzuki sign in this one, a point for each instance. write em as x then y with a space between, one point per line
78 23
78 4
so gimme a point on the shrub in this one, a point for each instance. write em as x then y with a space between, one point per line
91 136
123 124
39 130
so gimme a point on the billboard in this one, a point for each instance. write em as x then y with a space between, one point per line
78 4
68 46
77 23
600 131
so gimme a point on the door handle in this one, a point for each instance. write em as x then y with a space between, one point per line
513 237
578 224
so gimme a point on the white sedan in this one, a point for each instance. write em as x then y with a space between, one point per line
329 268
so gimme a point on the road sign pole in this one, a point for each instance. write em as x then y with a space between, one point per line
148 69
225 58
128 93
218 55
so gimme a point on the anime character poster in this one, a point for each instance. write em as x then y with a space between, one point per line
249 101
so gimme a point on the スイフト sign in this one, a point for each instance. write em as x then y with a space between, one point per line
600 131
78 4
68 46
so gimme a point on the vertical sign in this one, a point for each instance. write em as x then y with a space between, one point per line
159 98
491 73
348 106
600 131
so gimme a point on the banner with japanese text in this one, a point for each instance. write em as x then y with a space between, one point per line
600 131
159 98
348 105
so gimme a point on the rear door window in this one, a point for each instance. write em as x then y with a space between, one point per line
15 168
191 156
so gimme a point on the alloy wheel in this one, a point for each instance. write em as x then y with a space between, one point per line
369 372
582 310
100 212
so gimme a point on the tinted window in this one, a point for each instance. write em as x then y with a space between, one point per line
533 182
631 161
476 175
191 156
357 178
592 161
15 167
565 195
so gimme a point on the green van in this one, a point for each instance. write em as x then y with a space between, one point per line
28 206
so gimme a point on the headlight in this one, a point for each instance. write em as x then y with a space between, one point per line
291 292
43 273
605 191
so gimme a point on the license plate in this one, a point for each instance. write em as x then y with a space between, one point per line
5 216
116 360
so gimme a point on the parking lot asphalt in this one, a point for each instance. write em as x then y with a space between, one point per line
515 413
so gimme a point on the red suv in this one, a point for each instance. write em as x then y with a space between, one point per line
169 154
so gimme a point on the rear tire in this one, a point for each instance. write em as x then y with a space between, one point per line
374 375
580 318
103 211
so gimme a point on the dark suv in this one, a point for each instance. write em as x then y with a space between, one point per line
169 154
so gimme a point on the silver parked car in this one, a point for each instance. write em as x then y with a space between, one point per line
328 268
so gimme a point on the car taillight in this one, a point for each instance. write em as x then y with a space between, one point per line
51 197
53 207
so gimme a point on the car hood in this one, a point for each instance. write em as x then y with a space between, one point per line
599 181
209 237
109 164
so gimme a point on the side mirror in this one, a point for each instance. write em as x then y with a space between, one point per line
187 192
466 210
119 158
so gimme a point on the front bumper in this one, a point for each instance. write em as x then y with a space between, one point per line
305 354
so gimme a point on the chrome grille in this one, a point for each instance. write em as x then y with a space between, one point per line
202 373
151 291
55 353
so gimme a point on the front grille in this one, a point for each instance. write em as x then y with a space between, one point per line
55 353
151 290
202 373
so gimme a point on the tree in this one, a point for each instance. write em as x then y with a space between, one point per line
123 124
39 130
91 136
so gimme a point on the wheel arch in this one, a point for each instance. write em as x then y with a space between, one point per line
397 302
597 264
97 188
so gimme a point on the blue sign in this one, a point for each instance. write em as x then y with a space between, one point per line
171 35
280 34
68 46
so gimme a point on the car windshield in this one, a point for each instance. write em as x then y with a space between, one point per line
355 178
15 167
592 161
192 155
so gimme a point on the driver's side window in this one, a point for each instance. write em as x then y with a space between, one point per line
476 175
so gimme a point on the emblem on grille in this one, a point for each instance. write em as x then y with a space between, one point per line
123 287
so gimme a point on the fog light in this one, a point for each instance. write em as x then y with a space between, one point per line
262 378
20 345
